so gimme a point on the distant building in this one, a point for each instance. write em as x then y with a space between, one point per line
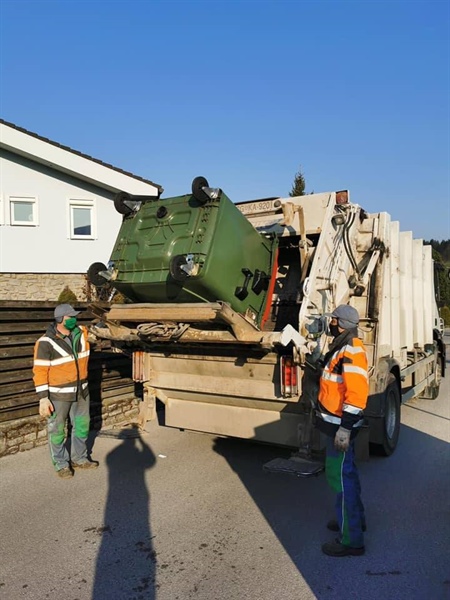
56 214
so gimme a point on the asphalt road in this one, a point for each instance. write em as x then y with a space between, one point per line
176 515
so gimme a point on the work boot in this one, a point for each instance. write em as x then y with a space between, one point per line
65 472
337 549
85 464
333 525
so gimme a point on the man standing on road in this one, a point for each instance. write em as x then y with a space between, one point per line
343 396
60 372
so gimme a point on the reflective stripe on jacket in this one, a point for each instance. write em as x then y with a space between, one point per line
344 386
59 371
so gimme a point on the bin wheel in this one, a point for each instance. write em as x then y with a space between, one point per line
175 270
391 420
119 203
93 274
197 191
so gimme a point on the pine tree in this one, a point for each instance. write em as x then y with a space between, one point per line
67 296
298 188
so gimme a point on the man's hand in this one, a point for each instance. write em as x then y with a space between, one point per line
342 439
46 408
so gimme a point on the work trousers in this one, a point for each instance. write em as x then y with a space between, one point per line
78 412
342 476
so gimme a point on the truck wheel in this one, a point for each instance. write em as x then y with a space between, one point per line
197 191
391 420
119 203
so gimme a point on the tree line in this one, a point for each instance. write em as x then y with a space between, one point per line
441 257
442 249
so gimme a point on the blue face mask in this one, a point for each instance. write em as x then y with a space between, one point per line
70 323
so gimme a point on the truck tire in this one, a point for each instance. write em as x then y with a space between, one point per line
197 191
390 419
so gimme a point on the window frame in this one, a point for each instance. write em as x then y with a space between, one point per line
81 203
33 200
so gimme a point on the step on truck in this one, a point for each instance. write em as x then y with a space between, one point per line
226 304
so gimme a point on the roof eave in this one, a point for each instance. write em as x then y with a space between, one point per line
71 162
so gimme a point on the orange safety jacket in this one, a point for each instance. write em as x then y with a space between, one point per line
344 388
60 367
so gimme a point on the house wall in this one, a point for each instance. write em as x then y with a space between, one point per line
46 287
47 247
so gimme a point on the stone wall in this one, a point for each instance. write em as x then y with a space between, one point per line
43 286
31 432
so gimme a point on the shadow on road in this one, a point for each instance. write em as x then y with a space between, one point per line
407 502
126 560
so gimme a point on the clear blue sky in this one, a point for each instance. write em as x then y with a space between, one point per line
244 92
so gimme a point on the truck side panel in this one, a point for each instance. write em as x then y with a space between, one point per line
406 290
428 294
395 290
418 315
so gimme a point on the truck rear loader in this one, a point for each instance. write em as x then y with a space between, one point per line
226 311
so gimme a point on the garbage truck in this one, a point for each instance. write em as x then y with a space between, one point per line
225 311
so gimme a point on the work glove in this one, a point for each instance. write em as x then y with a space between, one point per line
342 439
46 408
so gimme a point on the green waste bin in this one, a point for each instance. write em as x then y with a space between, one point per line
193 248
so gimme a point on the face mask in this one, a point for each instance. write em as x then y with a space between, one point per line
334 330
70 323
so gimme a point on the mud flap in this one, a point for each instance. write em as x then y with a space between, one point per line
362 444
147 408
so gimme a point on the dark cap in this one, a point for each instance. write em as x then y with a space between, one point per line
347 316
65 310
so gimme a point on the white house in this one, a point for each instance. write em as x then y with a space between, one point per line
57 214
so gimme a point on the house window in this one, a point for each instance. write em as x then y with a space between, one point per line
23 211
82 219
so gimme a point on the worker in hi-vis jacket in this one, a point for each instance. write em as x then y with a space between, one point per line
342 399
60 373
